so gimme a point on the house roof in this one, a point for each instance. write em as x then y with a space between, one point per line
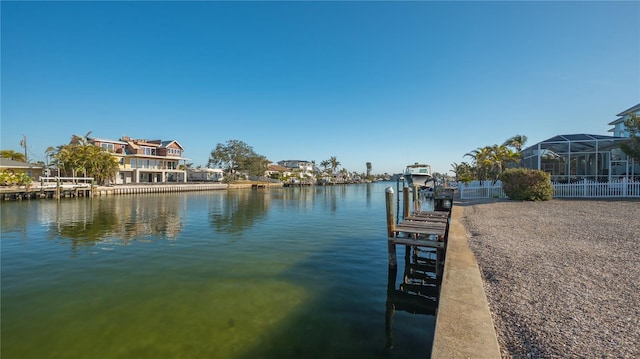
166 144
97 139
633 109
277 168
578 137
578 143
621 115
7 163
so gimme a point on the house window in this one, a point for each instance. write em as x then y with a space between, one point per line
107 146
133 163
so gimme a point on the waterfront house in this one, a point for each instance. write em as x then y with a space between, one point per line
576 157
146 161
303 170
277 171
205 174
30 169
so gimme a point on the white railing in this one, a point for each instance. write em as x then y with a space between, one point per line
592 189
583 189
485 191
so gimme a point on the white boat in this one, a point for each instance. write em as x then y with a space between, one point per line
419 175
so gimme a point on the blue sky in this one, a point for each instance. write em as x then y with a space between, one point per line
389 83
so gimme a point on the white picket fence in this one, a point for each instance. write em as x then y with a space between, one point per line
583 189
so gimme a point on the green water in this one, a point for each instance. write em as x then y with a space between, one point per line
276 273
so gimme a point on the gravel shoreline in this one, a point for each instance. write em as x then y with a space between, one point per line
562 277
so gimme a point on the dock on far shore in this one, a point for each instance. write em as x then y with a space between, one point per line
68 187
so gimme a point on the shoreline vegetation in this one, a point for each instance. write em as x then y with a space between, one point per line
561 276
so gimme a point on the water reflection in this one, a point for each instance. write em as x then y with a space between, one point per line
418 291
117 221
123 219
237 211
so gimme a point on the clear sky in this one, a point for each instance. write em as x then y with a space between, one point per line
389 83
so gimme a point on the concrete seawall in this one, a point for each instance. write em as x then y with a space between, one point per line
87 190
157 188
464 328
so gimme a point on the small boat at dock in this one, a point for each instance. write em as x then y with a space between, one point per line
419 175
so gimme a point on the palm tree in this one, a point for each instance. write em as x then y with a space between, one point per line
80 140
325 164
481 161
12 155
88 160
104 166
500 156
333 162
48 153
516 142
463 172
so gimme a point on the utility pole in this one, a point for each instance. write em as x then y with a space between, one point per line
23 143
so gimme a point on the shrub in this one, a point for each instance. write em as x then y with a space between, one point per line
9 178
526 184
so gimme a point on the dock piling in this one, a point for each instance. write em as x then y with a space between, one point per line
390 227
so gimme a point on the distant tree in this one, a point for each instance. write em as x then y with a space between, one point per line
333 163
325 164
517 142
12 155
631 147
236 156
255 164
368 169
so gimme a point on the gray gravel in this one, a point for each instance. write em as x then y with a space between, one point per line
562 277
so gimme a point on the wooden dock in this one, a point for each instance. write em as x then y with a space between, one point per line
69 187
424 235
421 228
50 187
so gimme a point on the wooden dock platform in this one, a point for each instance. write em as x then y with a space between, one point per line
69 187
421 229
50 187
424 235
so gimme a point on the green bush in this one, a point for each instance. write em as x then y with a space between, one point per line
527 185
9 178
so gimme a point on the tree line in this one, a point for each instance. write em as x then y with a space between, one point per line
236 157
81 158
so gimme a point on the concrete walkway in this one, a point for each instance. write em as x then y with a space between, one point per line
464 328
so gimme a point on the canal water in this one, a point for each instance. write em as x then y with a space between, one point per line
267 273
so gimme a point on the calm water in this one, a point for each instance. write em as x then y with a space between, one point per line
276 273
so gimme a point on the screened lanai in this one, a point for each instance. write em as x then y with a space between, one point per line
570 158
